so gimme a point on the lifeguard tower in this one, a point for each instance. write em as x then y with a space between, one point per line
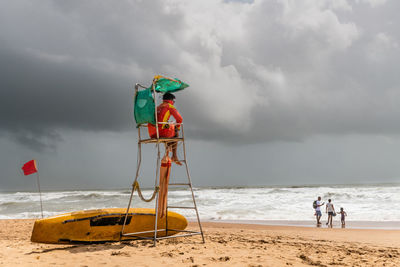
145 111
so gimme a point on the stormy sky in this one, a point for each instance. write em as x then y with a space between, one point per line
281 92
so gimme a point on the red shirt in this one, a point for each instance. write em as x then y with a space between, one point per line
164 112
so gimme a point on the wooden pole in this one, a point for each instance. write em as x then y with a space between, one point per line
40 193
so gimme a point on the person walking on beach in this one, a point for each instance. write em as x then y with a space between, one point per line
342 216
330 209
318 213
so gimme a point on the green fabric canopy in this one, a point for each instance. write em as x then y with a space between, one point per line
165 85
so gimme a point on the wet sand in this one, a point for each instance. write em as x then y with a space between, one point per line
387 225
227 244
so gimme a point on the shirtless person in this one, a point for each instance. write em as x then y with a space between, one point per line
343 214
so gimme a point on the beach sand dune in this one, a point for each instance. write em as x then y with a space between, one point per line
226 245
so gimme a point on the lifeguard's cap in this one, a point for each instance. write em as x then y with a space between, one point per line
168 96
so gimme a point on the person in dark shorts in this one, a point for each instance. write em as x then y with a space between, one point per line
330 209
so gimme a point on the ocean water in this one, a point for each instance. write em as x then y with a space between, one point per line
376 203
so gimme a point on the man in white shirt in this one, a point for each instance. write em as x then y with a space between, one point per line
318 213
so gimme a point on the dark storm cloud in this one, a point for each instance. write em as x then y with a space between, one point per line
64 65
259 71
39 97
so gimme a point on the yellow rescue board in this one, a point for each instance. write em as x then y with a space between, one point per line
102 225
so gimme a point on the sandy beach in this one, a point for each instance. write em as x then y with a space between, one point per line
226 244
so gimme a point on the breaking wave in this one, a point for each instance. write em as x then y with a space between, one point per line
290 203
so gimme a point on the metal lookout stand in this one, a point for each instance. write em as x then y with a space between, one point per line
160 233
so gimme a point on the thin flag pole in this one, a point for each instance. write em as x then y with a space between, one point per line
40 193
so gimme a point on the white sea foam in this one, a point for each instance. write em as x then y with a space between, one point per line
362 203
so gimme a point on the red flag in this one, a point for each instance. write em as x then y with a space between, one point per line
30 167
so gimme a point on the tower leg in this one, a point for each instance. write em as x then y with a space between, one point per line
191 188
138 163
157 194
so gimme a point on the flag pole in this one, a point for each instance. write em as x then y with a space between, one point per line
40 193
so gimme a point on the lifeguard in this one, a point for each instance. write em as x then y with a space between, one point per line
169 130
